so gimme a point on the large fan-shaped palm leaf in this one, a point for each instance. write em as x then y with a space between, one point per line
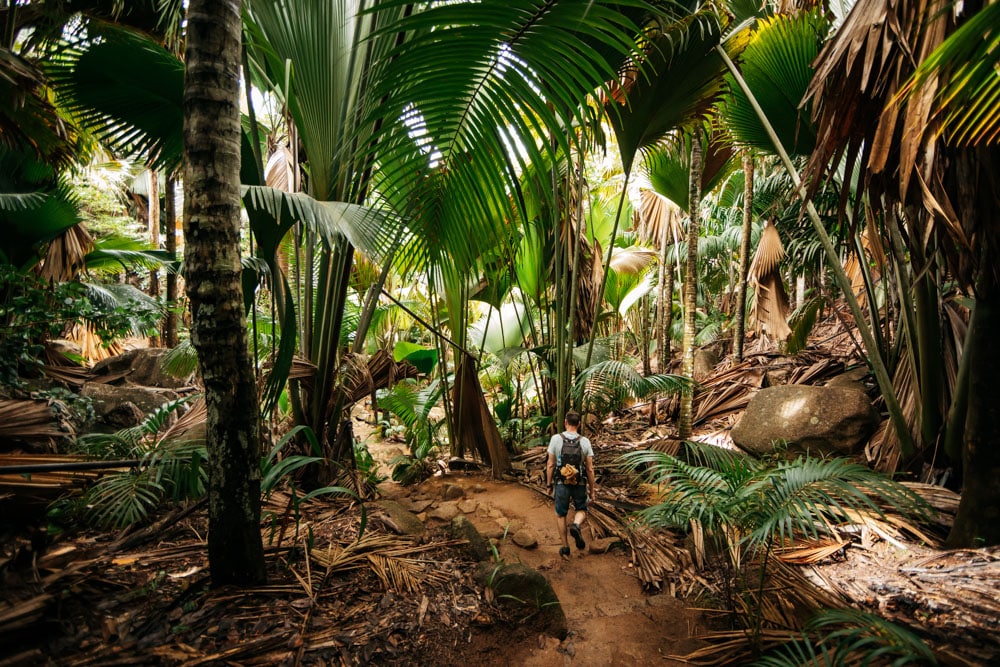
127 90
675 87
776 65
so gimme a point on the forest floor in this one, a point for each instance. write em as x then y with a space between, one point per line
338 595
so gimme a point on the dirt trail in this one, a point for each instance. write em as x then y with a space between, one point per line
611 620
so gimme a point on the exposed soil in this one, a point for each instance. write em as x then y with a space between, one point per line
611 620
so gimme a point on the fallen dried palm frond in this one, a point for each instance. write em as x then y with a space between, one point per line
30 419
770 308
389 556
813 551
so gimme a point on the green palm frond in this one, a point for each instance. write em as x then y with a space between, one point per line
412 406
128 91
965 66
776 65
123 499
114 253
802 321
473 81
765 501
848 637
675 87
171 463
29 122
371 230
20 201
798 497
667 166
118 298
50 208
704 493
181 361
609 384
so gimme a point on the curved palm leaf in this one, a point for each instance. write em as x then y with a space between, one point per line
115 253
29 122
46 206
777 66
667 166
703 491
608 384
128 91
474 82
850 636
965 65
802 494
371 230
676 85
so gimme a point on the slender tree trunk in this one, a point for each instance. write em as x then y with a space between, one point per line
977 523
154 238
645 335
691 287
170 321
154 227
664 302
212 262
741 290
668 321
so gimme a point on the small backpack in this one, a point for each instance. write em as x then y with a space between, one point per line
572 455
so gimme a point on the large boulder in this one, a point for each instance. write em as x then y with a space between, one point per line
107 400
527 594
478 546
821 420
399 519
142 366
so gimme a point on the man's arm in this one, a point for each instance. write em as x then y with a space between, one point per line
550 468
591 480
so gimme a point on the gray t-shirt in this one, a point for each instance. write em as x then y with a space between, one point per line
556 445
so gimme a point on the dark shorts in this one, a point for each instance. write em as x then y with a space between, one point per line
564 493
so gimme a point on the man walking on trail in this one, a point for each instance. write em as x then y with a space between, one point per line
570 469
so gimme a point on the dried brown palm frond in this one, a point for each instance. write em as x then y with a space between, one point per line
945 501
659 219
64 258
390 557
883 452
859 112
770 309
279 172
44 485
813 373
632 260
30 419
92 347
811 551
191 426
475 428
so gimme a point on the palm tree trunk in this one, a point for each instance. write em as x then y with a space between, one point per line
691 288
154 227
645 336
212 262
170 321
664 302
977 522
741 290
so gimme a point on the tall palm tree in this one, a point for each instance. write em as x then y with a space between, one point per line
691 287
212 258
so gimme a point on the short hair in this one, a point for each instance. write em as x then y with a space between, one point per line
573 418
